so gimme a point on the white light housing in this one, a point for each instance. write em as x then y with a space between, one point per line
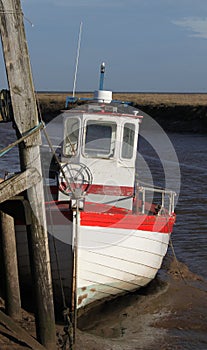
103 96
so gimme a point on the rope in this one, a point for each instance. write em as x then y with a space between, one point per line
176 260
119 200
24 137
150 185
175 257
11 12
52 149
180 272
57 159
68 328
173 250
57 259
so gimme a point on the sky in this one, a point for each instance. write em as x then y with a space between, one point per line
147 45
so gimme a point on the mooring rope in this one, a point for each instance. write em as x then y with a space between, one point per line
24 137
20 13
180 272
68 328
53 151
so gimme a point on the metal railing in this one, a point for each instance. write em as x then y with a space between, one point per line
157 200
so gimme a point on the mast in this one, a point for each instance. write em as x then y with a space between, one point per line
102 95
77 58
102 76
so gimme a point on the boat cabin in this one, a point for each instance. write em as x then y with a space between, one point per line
99 149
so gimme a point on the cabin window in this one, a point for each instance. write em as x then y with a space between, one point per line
71 136
100 139
128 141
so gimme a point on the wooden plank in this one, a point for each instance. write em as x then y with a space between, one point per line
19 333
18 183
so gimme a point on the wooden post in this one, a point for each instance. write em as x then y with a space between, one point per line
8 239
19 76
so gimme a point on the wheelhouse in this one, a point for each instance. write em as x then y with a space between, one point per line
104 138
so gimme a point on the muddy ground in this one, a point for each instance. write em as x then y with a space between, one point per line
170 313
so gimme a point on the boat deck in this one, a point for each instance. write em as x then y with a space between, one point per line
103 215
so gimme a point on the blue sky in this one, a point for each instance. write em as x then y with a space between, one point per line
147 45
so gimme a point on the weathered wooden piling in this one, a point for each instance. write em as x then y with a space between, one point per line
12 292
25 113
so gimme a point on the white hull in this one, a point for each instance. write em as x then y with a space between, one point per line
118 261
111 261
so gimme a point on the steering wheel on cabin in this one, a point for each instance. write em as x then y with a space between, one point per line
75 178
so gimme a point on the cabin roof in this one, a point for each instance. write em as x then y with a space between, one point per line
113 109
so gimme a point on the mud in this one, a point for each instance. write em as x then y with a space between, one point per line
170 313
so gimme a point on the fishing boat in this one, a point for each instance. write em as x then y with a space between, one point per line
108 233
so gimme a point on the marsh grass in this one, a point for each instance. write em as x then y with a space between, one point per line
57 100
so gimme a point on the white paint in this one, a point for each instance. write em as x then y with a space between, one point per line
103 96
120 261
111 261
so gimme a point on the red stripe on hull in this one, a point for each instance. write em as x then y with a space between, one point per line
130 221
111 190
102 215
101 189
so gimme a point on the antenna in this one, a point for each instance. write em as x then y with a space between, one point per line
77 58
102 76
